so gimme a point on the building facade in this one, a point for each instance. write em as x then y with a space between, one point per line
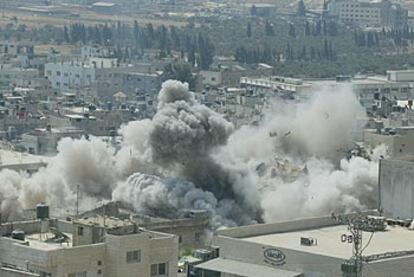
311 247
87 248
368 13
396 188
102 77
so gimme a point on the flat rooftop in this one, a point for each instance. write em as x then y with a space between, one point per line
237 268
392 240
43 241
8 157
108 222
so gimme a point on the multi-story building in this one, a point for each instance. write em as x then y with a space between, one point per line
21 161
45 141
372 13
411 19
17 76
95 247
370 90
76 74
190 225
102 77
399 141
313 247
396 188
93 51
9 48
227 74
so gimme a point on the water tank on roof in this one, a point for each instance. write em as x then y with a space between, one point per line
18 234
42 211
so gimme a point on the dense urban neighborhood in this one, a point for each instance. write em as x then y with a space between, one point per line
218 138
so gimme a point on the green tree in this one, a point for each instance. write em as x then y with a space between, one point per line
181 72
301 11
249 30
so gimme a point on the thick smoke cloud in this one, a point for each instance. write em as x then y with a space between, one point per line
189 157
154 196
182 130
179 142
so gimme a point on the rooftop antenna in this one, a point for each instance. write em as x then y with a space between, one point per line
103 214
77 201
356 225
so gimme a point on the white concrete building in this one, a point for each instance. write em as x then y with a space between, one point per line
370 90
368 13
21 161
399 141
76 74
69 75
101 77
210 78
396 189
93 51
11 48
44 141
88 248
410 19
309 247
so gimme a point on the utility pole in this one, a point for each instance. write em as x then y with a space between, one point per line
77 201
357 224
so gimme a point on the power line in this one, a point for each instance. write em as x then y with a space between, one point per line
357 224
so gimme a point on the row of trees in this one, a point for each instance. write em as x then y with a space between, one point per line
318 28
321 28
265 54
399 37
128 41
366 39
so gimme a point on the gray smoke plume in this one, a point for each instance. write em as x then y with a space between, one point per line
151 195
82 164
187 157
180 139
296 157
183 130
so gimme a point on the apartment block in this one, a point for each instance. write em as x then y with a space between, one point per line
94 247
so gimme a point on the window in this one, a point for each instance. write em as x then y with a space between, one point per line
99 271
154 270
99 262
133 256
162 269
80 231
58 73
159 269
78 274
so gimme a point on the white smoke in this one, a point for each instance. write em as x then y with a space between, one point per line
296 157
189 157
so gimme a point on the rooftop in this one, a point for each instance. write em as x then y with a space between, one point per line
103 4
109 222
8 157
43 241
393 240
245 269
